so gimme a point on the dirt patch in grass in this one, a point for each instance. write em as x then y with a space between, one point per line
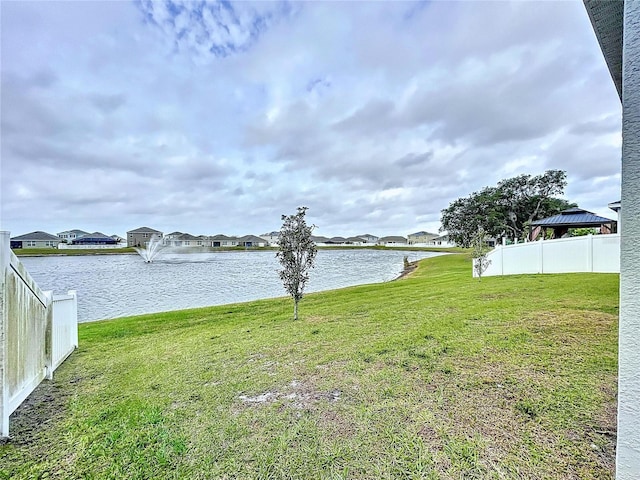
45 406
297 395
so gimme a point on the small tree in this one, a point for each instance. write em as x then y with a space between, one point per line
479 253
296 254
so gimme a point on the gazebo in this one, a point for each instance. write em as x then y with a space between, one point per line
571 218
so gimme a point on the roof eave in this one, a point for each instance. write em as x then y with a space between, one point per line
607 20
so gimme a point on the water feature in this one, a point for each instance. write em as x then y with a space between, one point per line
111 286
151 250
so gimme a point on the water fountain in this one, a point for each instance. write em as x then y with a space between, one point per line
152 249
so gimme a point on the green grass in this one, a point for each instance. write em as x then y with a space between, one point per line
437 375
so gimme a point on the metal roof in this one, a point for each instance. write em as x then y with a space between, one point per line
37 236
607 20
573 217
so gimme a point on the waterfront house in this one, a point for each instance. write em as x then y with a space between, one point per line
95 238
252 241
141 236
223 241
392 240
271 238
368 238
36 239
70 235
178 239
420 237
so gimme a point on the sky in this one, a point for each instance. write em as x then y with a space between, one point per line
220 117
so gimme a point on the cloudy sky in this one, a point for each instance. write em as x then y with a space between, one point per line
220 117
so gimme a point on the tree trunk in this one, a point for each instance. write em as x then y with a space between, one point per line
295 309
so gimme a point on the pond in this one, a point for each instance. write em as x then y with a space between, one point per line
111 286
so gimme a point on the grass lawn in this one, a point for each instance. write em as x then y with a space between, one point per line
437 375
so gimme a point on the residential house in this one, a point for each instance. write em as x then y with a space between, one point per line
70 235
252 241
392 240
441 241
319 240
616 206
355 241
336 241
271 238
223 241
119 239
95 238
141 236
36 239
178 239
368 238
420 237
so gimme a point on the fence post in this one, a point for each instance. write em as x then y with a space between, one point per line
541 256
48 336
5 254
589 253
74 312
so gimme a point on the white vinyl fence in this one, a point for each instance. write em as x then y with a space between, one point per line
37 332
591 253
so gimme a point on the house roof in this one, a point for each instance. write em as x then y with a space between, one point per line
367 235
422 234
76 231
607 19
251 238
95 236
221 237
354 239
144 230
572 217
186 236
271 234
37 236
319 239
615 206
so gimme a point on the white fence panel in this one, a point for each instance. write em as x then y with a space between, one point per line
599 253
64 339
28 333
606 253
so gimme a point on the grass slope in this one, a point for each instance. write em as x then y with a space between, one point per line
433 376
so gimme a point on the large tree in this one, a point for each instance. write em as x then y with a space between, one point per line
506 209
296 253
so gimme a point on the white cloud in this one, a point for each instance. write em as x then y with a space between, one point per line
209 117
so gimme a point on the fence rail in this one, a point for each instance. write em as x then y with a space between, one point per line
37 332
591 253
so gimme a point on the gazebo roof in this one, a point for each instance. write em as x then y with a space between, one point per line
572 218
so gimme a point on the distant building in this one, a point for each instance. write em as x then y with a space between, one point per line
392 240
140 236
368 238
36 239
252 241
223 241
420 237
70 235
271 237
95 238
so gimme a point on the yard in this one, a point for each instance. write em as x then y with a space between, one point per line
437 375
